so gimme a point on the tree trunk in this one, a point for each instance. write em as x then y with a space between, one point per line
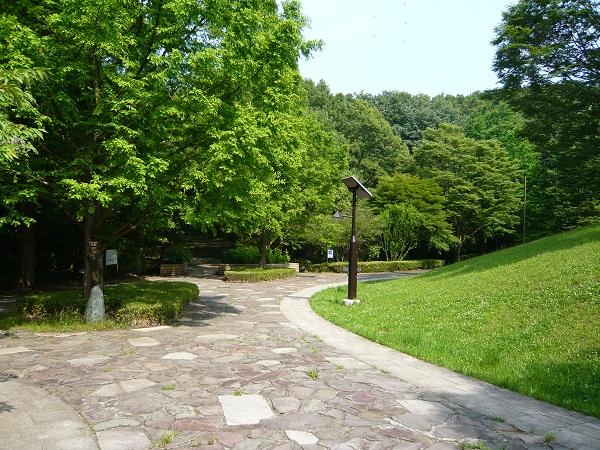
459 249
93 251
25 258
264 244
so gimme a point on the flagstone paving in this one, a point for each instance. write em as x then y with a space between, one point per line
230 374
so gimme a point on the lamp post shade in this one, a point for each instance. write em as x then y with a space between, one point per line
353 184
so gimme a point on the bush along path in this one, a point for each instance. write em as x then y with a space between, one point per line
127 304
233 372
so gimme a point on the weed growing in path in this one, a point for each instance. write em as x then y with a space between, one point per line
496 418
166 439
473 446
313 374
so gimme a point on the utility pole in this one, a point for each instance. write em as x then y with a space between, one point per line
524 208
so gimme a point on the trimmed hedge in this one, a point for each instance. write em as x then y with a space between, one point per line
378 266
245 254
255 275
140 303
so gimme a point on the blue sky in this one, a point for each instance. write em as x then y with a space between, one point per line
418 46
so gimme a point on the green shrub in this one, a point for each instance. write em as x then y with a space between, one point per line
245 254
142 303
378 266
54 304
254 275
277 256
148 302
177 254
241 255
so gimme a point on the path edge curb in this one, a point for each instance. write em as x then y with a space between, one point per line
572 429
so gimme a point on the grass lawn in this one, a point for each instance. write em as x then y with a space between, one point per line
526 318
139 303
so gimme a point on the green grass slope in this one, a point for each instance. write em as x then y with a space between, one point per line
525 318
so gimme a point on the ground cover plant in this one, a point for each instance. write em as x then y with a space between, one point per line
254 275
525 318
140 303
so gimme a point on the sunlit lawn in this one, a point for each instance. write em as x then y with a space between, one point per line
526 318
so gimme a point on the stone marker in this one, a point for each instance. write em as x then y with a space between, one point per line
244 409
94 311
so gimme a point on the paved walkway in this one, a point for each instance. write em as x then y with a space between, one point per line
235 373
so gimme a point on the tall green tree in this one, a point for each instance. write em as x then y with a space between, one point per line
410 115
548 60
478 179
401 230
374 149
497 120
426 197
159 106
21 129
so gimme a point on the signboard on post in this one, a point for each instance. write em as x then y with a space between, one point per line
111 258
330 253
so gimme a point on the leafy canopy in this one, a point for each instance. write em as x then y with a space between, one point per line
478 179
425 196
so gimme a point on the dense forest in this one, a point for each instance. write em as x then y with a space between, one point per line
140 126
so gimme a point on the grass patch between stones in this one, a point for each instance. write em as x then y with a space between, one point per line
132 304
524 318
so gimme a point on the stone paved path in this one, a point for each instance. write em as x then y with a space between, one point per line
233 373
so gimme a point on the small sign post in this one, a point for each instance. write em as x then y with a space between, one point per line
329 254
111 258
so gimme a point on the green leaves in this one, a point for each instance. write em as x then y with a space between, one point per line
20 122
478 179
542 42
425 196
548 60
402 226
